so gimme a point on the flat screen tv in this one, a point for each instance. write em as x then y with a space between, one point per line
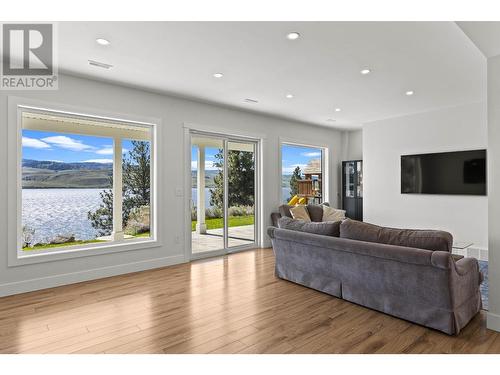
459 172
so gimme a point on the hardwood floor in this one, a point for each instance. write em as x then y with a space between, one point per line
232 304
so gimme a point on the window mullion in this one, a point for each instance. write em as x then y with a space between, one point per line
117 190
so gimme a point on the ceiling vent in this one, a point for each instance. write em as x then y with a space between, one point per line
253 101
100 64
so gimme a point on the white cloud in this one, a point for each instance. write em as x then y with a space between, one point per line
108 150
289 169
209 165
102 161
34 143
311 154
67 143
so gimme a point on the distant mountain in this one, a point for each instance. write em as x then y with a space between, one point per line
209 178
285 180
62 166
41 174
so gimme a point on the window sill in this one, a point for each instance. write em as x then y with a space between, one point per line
71 252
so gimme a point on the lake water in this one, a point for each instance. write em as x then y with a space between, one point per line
60 211
52 212
284 191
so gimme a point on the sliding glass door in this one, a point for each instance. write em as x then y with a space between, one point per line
240 193
223 201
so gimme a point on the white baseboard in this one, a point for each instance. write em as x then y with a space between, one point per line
493 321
76 277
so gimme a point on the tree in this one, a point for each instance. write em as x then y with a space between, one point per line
241 179
294 185
135 189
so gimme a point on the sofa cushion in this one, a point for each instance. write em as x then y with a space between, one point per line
284 210
300 212
323 228
435 240
332 214
315 212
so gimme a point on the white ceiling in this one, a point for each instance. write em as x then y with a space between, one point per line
321 69
485 35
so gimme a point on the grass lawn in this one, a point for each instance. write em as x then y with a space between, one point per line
74 243
141 235
51 246
234 221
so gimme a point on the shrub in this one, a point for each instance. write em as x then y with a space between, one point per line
138 221
241 211
28 236
215 212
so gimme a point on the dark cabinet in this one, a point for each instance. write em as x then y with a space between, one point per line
352 189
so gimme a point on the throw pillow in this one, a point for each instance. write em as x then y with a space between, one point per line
315 212
332 214
299 212
323 228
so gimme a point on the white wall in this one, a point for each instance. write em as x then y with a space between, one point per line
352 145
174 113
494 192
450 129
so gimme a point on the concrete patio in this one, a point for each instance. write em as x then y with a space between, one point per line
214 238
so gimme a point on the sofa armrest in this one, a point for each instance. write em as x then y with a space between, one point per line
465 280
465 266
275 216
270 231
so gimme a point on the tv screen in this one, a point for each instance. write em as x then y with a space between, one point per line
460 172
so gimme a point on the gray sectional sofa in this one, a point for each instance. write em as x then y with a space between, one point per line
410 274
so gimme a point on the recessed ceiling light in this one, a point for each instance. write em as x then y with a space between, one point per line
103 42
409 93
293 35
218 75
289 96
365 71
337 110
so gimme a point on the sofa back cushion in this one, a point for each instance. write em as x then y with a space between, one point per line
324 228
435 240
315 212
284 210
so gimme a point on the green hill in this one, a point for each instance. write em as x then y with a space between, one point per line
47 174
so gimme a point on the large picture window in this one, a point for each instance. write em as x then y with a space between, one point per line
302 174
85 183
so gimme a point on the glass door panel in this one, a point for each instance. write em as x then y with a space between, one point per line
359 185
349 187
207 194
240 193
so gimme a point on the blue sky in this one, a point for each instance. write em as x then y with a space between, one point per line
293 156
60 147
209 158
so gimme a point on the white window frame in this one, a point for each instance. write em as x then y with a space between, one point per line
261 139
325 169
16 256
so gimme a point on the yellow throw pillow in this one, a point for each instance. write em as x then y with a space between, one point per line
299 212
332 214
